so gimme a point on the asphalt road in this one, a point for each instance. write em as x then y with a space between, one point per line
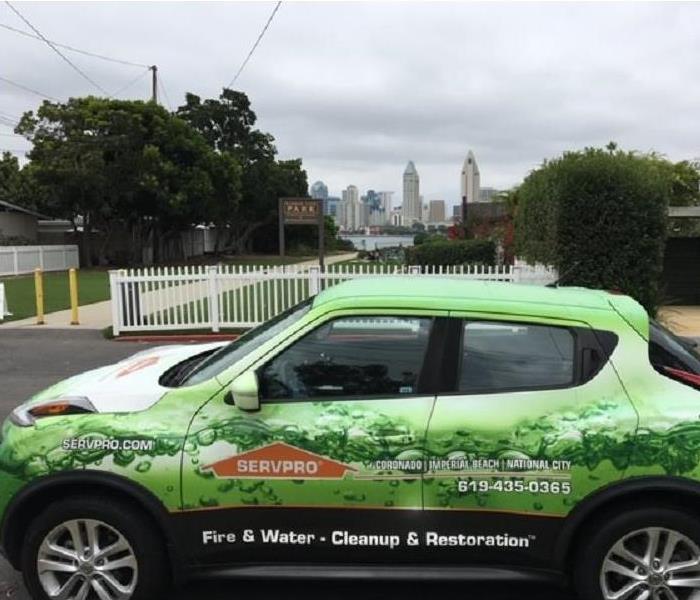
33 360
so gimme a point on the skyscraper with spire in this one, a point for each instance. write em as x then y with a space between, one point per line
470 182
412 208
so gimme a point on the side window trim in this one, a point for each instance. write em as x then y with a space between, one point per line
435 316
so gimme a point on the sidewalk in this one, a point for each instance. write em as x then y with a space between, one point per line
682 320
99 314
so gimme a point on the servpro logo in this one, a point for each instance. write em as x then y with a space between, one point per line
279 461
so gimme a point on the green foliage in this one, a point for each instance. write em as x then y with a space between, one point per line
227 124
17 186
129 164
452 252
599 216
424 238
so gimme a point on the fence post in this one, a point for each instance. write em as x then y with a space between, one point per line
115 296
314 274
15 255
414 270
516 273
212 272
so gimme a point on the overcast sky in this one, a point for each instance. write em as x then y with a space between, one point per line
358 89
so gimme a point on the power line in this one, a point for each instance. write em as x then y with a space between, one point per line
255 45
132 82
56 50
27 89
72 49
165 94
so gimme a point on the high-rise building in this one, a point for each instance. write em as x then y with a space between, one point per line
351 207
470 179
487 194
385 199
411 195
319 191
436 212
332 203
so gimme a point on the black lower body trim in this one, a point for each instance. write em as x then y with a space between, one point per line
380 572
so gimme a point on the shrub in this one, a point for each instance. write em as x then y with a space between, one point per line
452 252
598 216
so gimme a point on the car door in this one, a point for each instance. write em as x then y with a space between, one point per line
537 419
330 465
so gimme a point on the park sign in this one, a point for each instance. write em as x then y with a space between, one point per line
301 211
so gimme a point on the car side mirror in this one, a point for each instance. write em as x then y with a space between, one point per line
245 392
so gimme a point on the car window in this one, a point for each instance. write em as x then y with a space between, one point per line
667 350
515 356
350 357
235 351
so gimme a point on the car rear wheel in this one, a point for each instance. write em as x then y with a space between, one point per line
93 549
642 554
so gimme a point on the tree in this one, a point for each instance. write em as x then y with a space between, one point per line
227 123
17 185
685 191
599 216
109 163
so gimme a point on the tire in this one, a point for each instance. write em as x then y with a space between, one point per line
638 527
142 571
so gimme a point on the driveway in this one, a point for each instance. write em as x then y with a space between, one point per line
30 360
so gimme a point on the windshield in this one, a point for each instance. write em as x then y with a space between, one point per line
235 351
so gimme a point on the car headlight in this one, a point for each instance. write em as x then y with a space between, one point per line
26 415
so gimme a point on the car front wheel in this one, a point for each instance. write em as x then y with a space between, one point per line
642 554
93 549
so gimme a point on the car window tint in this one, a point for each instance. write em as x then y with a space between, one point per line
668 350
511 356
350 357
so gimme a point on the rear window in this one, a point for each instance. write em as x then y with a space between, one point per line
515 356
668 351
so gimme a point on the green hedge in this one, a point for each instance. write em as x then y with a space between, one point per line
599 216
452 252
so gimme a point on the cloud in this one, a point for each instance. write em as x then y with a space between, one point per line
357 89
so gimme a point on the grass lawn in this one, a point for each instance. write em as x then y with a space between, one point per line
93 286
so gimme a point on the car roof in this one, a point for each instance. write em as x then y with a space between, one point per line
427 290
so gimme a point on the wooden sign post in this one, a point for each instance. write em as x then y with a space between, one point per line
302 211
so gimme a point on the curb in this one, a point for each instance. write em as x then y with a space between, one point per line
206 337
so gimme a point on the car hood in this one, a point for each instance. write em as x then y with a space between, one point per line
129 385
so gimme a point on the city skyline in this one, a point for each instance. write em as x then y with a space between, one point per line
469 181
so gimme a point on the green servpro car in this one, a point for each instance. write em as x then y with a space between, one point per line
392 427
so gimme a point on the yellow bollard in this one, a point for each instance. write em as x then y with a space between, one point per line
39 290
73 284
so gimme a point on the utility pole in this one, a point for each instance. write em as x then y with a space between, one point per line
154 95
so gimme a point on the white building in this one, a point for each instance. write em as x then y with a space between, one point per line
351 210
470 179
412 206
396 218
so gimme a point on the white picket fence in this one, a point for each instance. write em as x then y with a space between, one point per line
16 260
221 296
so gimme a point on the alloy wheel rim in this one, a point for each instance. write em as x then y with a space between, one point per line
85 559
654 563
